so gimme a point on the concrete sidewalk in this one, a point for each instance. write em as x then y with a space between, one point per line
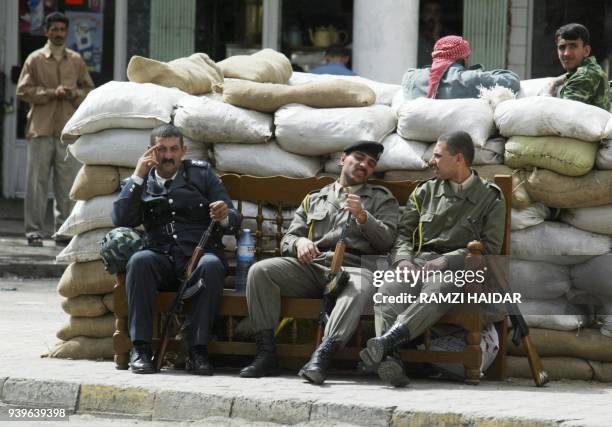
31 315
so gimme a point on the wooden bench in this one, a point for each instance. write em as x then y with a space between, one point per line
283 192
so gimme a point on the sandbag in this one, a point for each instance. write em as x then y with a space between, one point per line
264 160
559 191
425 119
269 97
208 119
85 278
83 247
93 327
123 147
319 131
265 66
604 155
557 368
601 371
384 92
554 314
538 280
535 87
534 214
89 215
122 105
97 180
584 344
401 154
405 175
84 306
109 302
195 74
552 240
84 348
597 219
566 156
594 276
545 115
491 153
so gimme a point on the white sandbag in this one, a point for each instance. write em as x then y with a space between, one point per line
608 129
553 240
535 87
401 154
556 314
545 115
207 119
384 91
534 214
425 119
331 163
123 147
604 155
594 276
264 160
492 153
89 215
596 219
538 280
319 131
83 247
122 105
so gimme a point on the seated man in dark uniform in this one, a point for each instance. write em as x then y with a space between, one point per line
176 200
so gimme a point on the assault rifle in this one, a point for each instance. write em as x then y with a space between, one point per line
183 294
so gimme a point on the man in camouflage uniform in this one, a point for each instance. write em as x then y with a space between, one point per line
585 80
442 216
308 249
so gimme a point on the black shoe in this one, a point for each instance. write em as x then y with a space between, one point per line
140 359
378 347
316 368
266 361
34 239
198 362
392 371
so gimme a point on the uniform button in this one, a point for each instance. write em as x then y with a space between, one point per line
201 205
175 236
173 213
170 201
131 190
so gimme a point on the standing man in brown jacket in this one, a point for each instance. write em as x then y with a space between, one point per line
54 81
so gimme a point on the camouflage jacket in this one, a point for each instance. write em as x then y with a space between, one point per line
588 84
448 221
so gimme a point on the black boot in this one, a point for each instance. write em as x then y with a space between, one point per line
198 362
378 347
140 359
315 370
391 370
266 361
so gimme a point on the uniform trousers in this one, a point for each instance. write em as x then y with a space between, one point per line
272 278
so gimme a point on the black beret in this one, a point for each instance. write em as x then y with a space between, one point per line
371 148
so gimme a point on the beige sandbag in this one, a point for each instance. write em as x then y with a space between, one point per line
195 74
557 368
269 97
89 215
558 191
601 371
265 66
97 180
84 348
84 306
567 156
83 247
109 302
584 344
94 327
85 278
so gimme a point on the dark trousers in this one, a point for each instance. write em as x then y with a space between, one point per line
149 272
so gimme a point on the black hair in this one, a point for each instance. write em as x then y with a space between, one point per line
337 50
459 142
55 17
573 31
166 131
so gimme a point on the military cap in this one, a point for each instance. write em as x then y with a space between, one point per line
371 148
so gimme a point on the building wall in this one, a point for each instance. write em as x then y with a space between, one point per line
518 46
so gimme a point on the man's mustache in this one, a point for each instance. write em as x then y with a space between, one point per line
168 161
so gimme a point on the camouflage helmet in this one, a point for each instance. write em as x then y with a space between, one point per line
118 246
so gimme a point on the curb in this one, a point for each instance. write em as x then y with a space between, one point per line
33 270
166 405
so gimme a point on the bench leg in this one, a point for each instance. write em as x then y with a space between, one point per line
121 339
473 359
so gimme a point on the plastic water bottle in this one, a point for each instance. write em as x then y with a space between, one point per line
245 257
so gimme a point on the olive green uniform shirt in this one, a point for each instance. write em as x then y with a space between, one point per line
588 84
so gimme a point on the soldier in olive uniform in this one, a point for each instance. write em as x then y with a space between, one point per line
585 80
308 249
176 200
442 216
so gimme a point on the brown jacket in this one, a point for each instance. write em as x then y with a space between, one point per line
40 76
